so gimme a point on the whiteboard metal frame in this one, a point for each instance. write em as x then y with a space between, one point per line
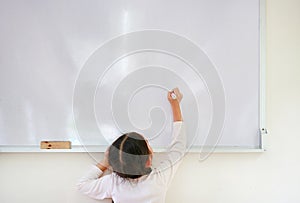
262 68
218 149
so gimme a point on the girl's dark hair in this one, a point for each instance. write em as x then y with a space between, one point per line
128 156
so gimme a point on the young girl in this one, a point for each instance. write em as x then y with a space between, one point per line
130 158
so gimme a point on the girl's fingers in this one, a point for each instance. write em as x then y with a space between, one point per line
176 91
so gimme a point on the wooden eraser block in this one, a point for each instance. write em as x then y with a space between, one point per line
55 145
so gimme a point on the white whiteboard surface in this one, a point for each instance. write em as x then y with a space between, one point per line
87 71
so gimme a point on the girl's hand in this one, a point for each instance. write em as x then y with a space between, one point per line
104 164
175 104
178 95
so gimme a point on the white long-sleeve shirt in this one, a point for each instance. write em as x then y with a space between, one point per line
151 188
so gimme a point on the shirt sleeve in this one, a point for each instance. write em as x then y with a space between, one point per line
175 152
95 187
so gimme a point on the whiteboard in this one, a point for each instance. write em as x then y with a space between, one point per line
88 71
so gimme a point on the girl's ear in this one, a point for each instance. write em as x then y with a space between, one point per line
149 161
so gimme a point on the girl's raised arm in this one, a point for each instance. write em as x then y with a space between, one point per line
176 149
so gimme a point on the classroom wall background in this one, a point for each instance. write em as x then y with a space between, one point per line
272 176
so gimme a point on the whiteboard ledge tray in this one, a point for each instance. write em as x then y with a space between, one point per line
102 148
